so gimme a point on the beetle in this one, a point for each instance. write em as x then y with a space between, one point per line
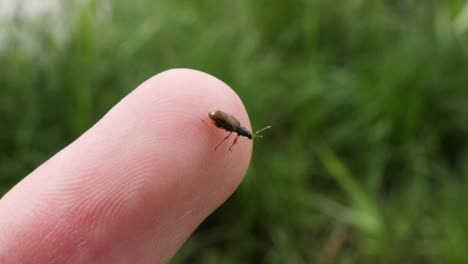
229 123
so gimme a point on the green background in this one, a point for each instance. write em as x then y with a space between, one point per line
367 160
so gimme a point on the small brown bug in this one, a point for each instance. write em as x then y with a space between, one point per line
229 123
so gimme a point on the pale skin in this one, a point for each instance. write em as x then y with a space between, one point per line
135 185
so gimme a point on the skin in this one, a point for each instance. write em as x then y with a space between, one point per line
135 185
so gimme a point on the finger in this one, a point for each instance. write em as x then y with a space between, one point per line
135 185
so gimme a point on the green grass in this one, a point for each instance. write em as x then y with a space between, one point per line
367 161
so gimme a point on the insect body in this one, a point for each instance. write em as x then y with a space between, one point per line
231 124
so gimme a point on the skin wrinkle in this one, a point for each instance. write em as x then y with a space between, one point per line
54 241
59 224
134 170
80 238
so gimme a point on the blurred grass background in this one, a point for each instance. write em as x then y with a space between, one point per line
367 161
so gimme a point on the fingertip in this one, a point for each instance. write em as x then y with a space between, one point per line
190 95
178 99
138 182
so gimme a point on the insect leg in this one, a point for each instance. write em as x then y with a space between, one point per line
204 121
233 143
223 141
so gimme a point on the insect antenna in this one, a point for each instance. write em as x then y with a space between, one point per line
256 135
